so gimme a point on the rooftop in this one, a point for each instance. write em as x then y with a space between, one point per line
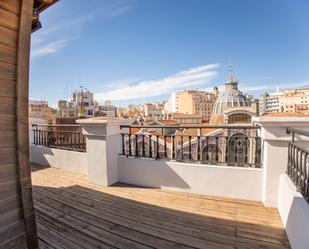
73 213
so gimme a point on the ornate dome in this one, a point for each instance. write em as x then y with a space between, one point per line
230 98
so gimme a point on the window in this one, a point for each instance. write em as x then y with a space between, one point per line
239 118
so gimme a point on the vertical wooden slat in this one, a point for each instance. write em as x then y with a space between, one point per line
22 94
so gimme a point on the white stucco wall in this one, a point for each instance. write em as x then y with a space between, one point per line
64 159
233 182
294 212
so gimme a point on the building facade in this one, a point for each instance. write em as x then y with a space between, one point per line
269 103
39 109
197 102
288 101
294 101
82 104
107 109
154 110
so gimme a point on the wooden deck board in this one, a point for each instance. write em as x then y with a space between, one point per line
73 213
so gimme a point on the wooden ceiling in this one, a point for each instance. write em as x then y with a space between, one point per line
38 7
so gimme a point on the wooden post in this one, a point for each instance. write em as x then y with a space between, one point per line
22 94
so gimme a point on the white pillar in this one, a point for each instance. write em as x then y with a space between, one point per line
103 146
275 151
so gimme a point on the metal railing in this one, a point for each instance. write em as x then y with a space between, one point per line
221 145
65 137
298 164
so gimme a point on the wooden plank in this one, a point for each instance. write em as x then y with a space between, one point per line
8 88
7 156
18 242
8 189
44 245
9 204
8 173
7 105
22 94
11 232
7 123
50 238
112 214
253 226
7 70
132 230
143 209
116 207
7 54
90 230
144 198
10 218
8 37
11 5
9 19
59 233
7 139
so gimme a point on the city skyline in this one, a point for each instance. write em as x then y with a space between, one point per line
123 46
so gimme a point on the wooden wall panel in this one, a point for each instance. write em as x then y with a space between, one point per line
7 122
17 223
7 155
9 19
11 5
7 190
7 54
7 105
7 71
7 36
7 139
7 88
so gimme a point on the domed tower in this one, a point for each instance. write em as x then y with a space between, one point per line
231 101
230 98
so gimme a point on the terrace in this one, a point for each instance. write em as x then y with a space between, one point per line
73 213
111 185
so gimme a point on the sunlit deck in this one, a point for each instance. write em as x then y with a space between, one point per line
72 213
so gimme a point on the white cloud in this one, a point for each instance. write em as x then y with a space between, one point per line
275 86
48 48
186 79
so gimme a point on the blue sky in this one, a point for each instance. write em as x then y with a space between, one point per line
143 50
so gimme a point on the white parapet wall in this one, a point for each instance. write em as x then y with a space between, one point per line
225 181
294 212
64 159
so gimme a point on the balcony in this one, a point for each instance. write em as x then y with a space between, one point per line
73 213
112 185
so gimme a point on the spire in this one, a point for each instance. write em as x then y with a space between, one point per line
230 68
231 78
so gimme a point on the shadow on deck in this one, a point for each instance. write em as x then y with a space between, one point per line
72 213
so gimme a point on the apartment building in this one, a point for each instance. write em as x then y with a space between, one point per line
294 100
39 109
81 104
107 109
290 101
269 103
154 110
197 102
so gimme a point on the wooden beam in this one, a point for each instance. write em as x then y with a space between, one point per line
22 93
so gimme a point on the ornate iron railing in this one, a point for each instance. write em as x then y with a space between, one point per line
298 164
221 145
65 137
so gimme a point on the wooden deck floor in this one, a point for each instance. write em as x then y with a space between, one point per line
72 213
